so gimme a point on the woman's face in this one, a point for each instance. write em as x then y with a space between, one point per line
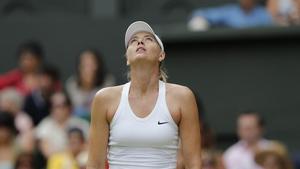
28 62
143 47
88 65
60 110
76 142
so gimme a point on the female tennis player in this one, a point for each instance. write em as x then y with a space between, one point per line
138 125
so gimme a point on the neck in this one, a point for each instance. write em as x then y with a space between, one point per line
62 122
144 78
252 144
85 85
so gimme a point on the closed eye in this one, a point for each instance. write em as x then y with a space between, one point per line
149 39
132 41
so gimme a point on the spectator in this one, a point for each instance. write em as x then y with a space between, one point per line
12 101
8 149
60 120
211 157
248 13
91 75
273 157
37 104
211 160
24 78
75 157
284 12
250 130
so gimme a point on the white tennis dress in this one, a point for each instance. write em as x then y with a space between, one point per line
143 143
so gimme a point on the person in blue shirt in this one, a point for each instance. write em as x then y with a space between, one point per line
246 13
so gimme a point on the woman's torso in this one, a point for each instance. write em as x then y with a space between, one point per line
143 142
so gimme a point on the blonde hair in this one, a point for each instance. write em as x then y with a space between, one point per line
163 72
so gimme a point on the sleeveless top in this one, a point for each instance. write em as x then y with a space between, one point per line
143 143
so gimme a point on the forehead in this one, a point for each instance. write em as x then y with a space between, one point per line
87 56
28 55
248 119
141 34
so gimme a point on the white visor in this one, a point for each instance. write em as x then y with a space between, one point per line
141 26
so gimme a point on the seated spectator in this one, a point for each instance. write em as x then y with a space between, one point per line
24 78
248 13
91 75
8 149
273 157
51 132
25 161
211 160
211 157
250 131
284 12
75 157
37 104
12 101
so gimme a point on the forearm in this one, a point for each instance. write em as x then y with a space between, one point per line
93 167
96 161
195 165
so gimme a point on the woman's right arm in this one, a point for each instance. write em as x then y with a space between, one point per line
99 132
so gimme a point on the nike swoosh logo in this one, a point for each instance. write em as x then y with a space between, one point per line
160 123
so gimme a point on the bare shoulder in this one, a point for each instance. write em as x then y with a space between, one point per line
106 100
180 99
179 91
108 94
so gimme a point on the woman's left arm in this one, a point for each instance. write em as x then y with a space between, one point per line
189 128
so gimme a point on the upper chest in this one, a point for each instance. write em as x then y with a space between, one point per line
143 106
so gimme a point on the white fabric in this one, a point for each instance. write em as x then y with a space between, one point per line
80 97
141 26
239 156
56 134
143 143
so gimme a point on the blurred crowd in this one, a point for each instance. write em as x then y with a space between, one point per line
44 123
251 151
246 13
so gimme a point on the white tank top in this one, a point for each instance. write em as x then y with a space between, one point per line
143 143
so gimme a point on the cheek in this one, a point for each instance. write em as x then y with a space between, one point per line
155 49
129 54
130 51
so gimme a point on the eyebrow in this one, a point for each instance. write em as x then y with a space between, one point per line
148 35
133 37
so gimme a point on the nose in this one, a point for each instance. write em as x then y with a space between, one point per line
140 42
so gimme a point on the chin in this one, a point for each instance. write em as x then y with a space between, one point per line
142 55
